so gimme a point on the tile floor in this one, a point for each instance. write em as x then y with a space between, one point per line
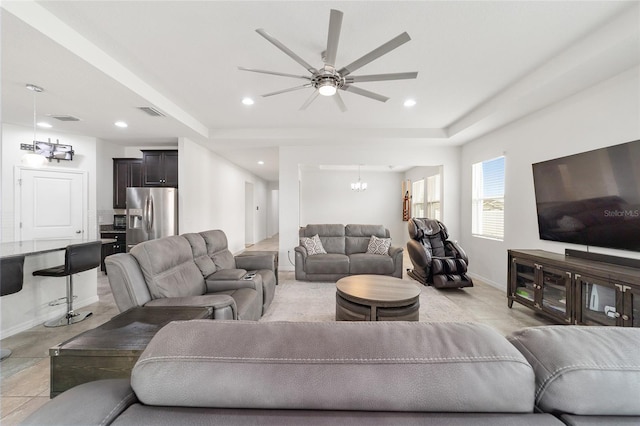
24 377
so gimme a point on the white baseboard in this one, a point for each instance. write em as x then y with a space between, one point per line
53 313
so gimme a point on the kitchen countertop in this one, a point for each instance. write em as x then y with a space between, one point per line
31 247
110 228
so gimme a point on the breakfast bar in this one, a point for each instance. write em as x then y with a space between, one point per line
30 307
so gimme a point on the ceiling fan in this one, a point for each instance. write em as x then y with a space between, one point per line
327 80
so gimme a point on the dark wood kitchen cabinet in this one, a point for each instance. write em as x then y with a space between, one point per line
160 168
119 246
126 172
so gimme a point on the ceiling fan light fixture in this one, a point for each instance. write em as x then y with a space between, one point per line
327 88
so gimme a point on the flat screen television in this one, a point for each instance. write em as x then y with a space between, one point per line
591 198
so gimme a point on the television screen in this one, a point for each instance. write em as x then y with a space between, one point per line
591 198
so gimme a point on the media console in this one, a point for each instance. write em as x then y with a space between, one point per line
577 287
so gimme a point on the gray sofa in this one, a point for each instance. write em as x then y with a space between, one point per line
385 373
195 269
346 248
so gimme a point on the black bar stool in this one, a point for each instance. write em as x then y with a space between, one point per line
78 258
11 279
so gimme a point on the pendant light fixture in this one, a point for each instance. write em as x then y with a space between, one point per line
359 186
32 159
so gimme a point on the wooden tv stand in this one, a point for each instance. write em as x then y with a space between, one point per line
574 290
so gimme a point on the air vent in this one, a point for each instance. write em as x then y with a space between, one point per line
151 111
65 117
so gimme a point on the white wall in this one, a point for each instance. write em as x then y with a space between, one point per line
211 195
105 153
326 197
29 307
606 114
290 198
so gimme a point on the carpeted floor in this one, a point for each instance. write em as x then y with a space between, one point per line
315 301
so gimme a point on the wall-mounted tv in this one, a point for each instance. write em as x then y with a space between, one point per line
591 198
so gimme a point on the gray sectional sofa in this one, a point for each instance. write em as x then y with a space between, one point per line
346 248
384 373
195 269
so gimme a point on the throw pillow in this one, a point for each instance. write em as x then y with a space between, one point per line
313 245
379 245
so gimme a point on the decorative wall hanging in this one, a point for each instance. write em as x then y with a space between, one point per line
406 200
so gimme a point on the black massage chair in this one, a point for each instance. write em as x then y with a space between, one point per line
436 260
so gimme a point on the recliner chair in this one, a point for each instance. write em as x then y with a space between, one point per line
436 260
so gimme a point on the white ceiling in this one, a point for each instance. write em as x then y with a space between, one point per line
480 64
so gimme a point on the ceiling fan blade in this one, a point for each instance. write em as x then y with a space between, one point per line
291 89
274 73
362 92
310 99
381 77
335 24
375 54
286 50
340 102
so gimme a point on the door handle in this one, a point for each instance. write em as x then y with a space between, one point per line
79 231
148 214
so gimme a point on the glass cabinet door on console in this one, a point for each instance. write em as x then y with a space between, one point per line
631 317
556 292
556 289
600 302
542 288
523 274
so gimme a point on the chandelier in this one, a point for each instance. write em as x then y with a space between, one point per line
359 185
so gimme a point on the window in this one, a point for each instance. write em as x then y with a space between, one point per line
417 199
488 199
433 197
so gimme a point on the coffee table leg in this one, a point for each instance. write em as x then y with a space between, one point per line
374 313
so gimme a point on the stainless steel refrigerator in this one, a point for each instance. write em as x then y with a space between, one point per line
151 213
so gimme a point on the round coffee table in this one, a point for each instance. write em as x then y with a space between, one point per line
376 298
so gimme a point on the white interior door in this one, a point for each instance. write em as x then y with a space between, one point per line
52 203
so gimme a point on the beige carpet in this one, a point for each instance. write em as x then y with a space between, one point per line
309 301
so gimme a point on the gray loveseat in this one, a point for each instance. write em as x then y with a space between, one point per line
346 253
386 373
195 269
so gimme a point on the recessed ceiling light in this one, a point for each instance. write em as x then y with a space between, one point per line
44 125
121 124
261 162
409 103
247 101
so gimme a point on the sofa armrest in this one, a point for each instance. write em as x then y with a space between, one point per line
231 279
396 254
302 251
223 305
92 403
300 254
256 262
395 250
